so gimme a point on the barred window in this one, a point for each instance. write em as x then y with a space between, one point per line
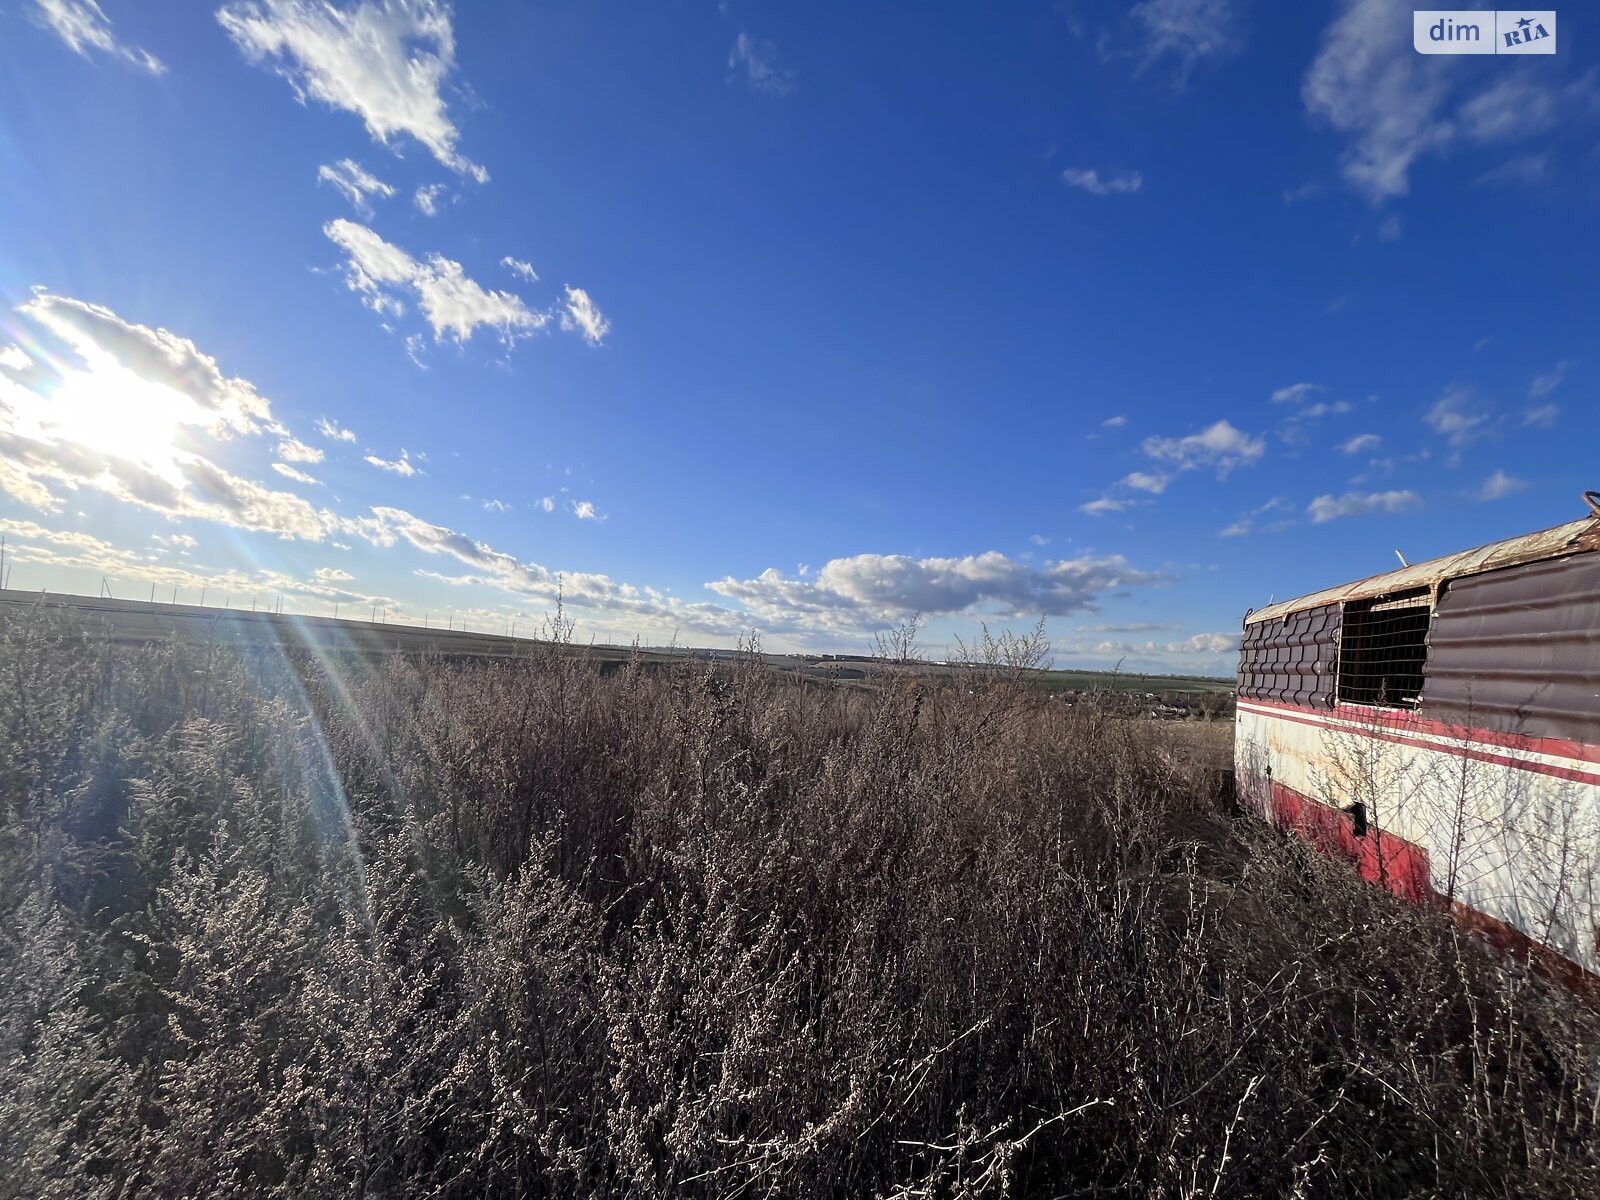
1382 647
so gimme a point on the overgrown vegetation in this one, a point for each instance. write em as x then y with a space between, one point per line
274 927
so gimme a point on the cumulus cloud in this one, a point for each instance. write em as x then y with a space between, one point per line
333 432
496 506
294 450
388 63
84 26
382 274
222 405
402 466
755 63
1113 183
548 504
580 315
1359 504
1219 447
1147 481
1361 443
584 511
332 575
846 592
1114 422
427 199
1498 486
355 184
116 407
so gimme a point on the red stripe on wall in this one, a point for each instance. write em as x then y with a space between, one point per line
1402 867
1559 747
1463 748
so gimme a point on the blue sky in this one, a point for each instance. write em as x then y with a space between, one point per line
794 318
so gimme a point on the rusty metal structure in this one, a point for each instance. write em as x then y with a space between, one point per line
1439 727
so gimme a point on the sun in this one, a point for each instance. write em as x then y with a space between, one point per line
110 410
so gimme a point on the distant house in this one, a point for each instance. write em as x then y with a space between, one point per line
1439 726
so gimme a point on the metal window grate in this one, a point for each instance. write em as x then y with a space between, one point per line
1382 647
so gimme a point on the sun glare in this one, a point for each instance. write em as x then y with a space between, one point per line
115 412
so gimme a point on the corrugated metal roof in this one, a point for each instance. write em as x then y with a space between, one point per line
1572 538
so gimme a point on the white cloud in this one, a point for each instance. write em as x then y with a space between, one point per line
1114 422
400 466
294 450
1189 31
71 550
1359 504
1295 393
1455 418
517 267
84 26
289 472
1541 416
1220 447
1499 485
333 432
1361 443
1038 539
548 504
333 575
225 406
427 199
868 588
496 506
584 510
355 183
1114 183
1521 168
387 63
452 304
1106 504
1548 381
1147 481
1247 523
581 315
1395 105
756 63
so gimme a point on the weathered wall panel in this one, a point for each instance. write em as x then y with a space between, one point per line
1292 660
1518 650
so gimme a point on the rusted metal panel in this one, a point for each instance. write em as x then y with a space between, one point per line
1572 538
1518 650
1292 660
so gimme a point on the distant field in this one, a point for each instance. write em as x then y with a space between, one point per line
1109 681
136 622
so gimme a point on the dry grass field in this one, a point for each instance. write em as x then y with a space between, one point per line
281 925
